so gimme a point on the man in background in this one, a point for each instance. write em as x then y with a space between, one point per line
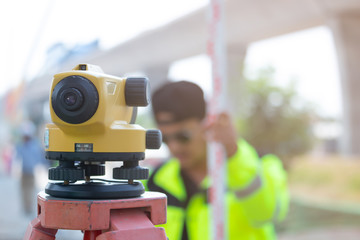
256 188
30 151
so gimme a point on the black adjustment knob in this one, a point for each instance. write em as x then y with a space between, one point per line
137 92
66 174
131 173
153 139
93 170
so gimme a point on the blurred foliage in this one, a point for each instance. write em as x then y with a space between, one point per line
145 118
275 119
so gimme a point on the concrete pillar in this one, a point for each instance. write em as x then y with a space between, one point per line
346 32
157 75
235 63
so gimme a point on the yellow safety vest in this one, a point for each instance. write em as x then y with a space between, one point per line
256 197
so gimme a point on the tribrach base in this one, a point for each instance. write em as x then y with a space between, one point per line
130 218
96 189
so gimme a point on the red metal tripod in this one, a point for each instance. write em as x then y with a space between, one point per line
129 218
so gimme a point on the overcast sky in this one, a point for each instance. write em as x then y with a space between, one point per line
307 57
29 28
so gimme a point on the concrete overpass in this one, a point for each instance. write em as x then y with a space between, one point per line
153 52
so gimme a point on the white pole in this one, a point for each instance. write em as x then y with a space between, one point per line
216 154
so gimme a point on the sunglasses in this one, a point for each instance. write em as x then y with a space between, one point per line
180 137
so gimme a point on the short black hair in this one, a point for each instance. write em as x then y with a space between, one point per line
182 99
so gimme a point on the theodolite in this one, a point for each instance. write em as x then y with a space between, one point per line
93 118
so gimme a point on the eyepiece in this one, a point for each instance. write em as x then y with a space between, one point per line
75 99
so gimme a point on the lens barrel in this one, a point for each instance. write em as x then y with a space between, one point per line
75 99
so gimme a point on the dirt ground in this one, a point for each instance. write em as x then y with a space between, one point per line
324 234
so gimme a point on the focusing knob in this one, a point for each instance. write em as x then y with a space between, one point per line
131 173
137 92
153 139
66 174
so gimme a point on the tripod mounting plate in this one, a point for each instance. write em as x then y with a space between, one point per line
130 218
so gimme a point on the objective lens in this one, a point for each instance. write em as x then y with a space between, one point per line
70 98
75 99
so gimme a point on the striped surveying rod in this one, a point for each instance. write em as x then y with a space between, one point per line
216 154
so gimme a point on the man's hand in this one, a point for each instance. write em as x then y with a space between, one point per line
222 130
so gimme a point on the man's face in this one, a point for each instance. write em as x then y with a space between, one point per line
186 141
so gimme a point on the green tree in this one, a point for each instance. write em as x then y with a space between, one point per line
275 119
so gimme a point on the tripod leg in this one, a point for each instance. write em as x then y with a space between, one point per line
91 235
35 231
131 224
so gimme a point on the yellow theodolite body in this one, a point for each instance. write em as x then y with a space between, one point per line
93 118
108 130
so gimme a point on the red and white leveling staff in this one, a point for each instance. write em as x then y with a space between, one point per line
216 154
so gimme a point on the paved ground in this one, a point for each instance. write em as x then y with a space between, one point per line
303 223
13 222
